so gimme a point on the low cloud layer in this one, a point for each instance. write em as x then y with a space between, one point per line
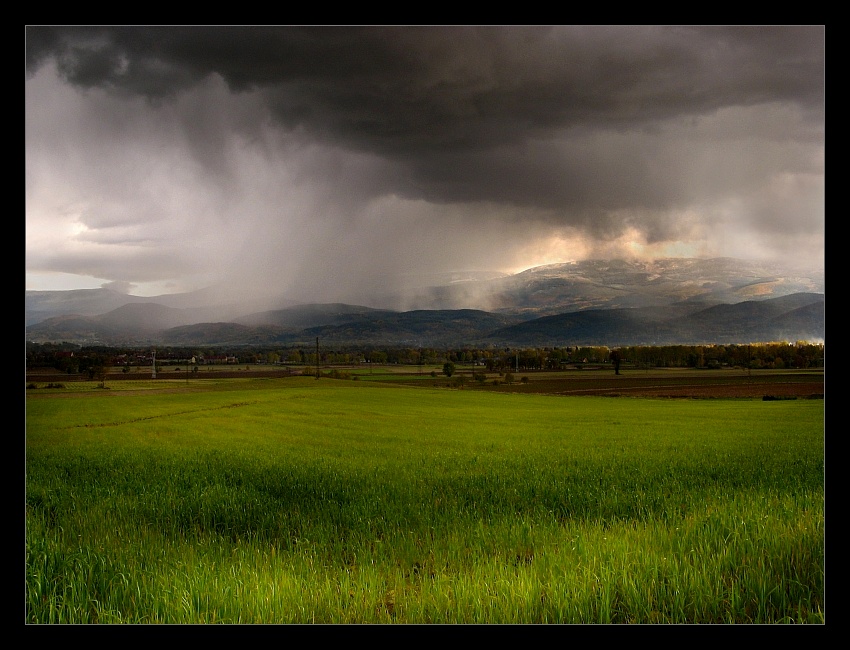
335 163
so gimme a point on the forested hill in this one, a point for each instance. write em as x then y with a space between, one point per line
796 317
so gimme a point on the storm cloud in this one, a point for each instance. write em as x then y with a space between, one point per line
336 163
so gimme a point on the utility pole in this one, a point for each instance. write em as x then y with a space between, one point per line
317 357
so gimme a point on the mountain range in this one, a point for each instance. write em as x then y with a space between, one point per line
594 302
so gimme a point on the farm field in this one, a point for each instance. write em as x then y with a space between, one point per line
673 382
392 499
676 383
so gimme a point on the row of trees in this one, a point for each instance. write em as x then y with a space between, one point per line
769 355
73 359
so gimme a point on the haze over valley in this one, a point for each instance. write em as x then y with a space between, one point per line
595 302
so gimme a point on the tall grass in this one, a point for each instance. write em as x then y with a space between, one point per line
296 501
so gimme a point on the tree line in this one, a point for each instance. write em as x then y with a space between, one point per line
73 359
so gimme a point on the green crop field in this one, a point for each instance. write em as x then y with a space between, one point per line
292 500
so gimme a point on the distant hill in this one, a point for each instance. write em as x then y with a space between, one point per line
788 318
41 305
313 315
217 334
594 302
415 328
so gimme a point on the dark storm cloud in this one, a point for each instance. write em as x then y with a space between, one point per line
399 87
459 96
662 131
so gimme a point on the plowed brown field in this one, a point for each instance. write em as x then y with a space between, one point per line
690 387
674 384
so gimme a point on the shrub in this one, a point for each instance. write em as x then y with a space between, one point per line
338 374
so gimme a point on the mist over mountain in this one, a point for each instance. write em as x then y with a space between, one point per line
604 302
612 284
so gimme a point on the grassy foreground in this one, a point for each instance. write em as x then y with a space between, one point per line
303 501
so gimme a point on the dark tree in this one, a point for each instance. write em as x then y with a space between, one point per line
98 373
616 358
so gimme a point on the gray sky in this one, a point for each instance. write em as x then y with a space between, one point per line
327 162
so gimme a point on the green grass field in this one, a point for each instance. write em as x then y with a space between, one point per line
304 501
